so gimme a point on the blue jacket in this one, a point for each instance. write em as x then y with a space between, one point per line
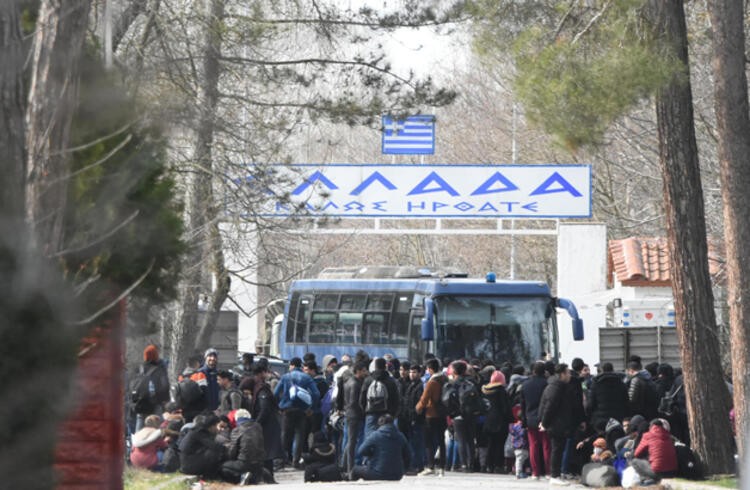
211 388
387 452
296 377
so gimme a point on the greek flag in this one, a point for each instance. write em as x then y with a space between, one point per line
414 135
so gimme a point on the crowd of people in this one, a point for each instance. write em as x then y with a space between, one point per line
380 419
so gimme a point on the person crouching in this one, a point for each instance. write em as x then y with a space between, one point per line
387 453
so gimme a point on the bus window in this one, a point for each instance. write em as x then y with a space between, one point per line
349 330
326 302
400 325
299 312
373 328
379 302
322 328
353 302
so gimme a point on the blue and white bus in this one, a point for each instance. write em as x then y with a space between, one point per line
458 318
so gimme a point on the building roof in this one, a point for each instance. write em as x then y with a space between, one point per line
644 261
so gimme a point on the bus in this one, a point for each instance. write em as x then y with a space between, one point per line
453 317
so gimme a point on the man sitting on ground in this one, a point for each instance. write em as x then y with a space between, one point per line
387 453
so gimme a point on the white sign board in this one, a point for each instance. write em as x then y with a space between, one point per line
429 191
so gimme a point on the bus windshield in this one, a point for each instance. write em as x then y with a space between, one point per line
515 329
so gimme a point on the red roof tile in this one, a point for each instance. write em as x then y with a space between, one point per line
644 261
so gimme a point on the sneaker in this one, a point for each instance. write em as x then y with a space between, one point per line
246 478
441 473
558 482
426 472
535 477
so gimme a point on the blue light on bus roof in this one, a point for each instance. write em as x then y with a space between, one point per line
491 277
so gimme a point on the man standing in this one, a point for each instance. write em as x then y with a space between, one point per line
206 377
465 421
379 396
230 398
150 386
355 416
556 417
531 395
431 406
414 420
297 394
608 397
641 392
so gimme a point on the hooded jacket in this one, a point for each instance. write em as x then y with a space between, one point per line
387 452
394 401
642 395
299 378
607 398
499 415
246 443
556 408
146 443
662 455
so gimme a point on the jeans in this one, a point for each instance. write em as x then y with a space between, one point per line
567 451
371 423
434 439
416 443
465 433
355 435
293 431
521 456
557 445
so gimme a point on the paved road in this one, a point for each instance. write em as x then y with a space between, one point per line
293 480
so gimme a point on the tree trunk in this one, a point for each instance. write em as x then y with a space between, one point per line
686 227
221 291
200 211
12 144
58 47
733 130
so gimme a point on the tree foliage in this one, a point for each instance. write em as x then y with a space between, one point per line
579 65
123 224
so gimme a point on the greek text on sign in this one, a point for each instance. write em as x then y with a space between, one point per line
435 191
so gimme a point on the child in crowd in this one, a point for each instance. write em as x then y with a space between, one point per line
601 454
148 444
519 441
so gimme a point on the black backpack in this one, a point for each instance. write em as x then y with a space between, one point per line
143 391
470 399
186 393
377 397
450 400
668 402
687 464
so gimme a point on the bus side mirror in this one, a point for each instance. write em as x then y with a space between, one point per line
577 329
573 312
428 328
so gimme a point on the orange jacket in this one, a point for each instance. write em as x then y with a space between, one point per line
430 401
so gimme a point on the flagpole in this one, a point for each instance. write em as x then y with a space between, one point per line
513 157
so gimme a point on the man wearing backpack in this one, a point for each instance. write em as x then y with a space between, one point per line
150 386
431 406
379 396
464 406
297 394
230 397
641 391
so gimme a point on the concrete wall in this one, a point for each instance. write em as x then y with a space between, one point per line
581 274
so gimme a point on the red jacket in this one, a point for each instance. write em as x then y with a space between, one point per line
662 455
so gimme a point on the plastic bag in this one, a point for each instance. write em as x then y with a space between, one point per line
630 478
